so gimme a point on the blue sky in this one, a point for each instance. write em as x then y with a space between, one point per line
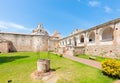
22 16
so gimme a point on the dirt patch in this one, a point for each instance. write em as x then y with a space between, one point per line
52 79
48 77
40 75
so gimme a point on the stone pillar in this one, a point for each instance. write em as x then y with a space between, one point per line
62 43
97 37
85 39
65 42
116 35
68 41
72 41
78 40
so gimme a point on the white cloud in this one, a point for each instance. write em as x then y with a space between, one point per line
107 9
13 27
6 25
94 3
3 27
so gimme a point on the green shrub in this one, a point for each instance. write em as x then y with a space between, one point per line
60 55
76 55
111 68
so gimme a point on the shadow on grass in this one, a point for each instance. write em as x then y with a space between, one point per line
110 76
5 59
55 69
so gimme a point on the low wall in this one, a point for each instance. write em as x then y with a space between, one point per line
79 50
103 50
60 50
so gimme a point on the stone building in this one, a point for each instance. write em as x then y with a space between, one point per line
39 30
38 40
103 40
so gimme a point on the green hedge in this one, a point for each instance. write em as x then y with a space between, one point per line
111 68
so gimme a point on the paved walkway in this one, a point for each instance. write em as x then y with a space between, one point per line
87 62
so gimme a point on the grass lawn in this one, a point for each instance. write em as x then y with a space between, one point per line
98 58
19 66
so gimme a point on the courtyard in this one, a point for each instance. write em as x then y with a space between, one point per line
19 66
56 41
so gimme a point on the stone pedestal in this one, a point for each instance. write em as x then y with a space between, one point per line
43 65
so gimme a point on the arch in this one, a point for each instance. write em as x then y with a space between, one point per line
59 43
70 41
91 37
62 42
81 39
75 41
65 41
107 34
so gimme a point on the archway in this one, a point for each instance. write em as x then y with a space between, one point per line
81 39
107 34
75 41
69 41
92 37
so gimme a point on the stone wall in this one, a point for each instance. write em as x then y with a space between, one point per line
97 50
4 47
39 43
61 50
103 50
79 50
24 42
53 44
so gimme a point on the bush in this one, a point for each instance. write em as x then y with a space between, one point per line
111 68
60 55
76 55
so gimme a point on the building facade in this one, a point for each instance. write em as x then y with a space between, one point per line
102 40
38 40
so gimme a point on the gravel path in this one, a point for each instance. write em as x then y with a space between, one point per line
87 62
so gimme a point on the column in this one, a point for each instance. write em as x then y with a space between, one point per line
97 37
116 34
